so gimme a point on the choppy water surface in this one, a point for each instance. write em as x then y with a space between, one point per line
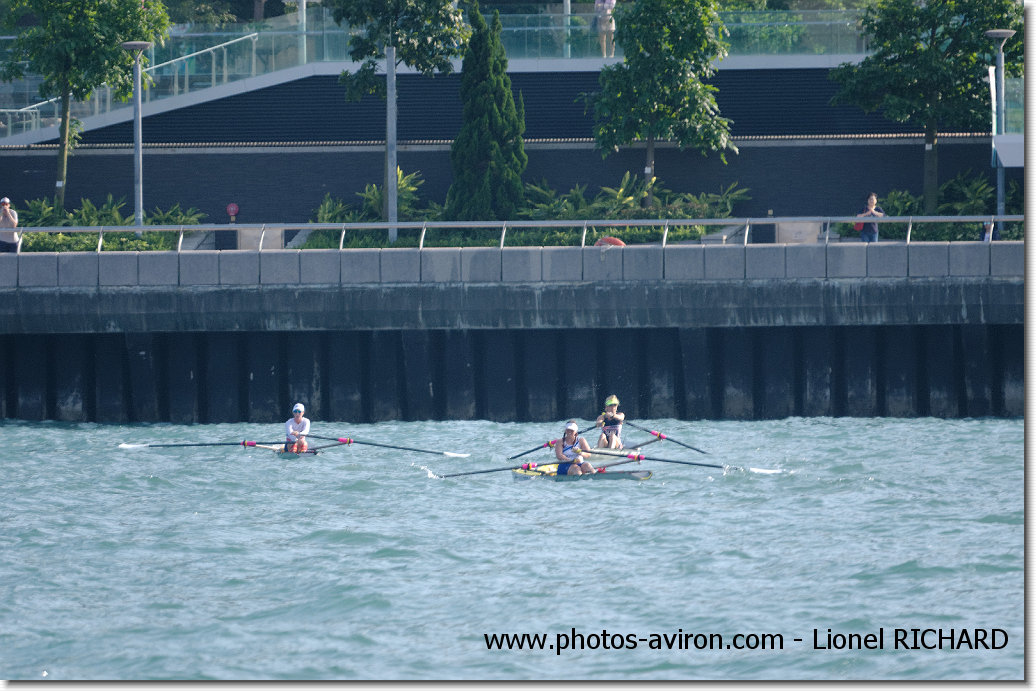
223 562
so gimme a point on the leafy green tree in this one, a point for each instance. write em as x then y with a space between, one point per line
488 155
929 67
424 34
212 13
659 92
75 46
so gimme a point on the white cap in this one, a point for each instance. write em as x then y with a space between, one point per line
298 408
5 201
572 426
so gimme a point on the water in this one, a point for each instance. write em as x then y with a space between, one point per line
223 562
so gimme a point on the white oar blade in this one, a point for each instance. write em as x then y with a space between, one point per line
457 455
130 445
755 470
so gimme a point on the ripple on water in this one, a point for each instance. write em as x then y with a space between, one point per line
228 563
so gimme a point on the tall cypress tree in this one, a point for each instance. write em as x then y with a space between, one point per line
488 154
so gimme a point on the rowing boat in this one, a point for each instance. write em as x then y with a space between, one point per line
550 472
281 453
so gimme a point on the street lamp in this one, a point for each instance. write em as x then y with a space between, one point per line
1001 35
136 48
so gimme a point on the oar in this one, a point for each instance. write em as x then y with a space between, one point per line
526 467
350 440
663 436
641 457
246 443
549 443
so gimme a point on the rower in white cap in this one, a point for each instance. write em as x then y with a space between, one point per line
297 427
569 451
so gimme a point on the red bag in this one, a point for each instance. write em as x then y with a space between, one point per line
858 227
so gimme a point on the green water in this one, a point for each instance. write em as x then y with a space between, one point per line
229 563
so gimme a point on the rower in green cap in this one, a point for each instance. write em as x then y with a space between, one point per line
610 423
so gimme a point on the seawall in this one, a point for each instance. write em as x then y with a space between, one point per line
688 331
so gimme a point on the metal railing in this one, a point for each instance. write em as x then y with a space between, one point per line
734 231
199 59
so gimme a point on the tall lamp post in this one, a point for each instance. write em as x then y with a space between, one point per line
136 48
1001 35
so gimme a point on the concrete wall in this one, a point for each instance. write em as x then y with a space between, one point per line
690 262
735 332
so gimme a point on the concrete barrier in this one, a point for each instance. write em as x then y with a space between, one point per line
684 262
199 268
238 268
38 269
929 259
883 260
158 268
521 264
320 267
886 260
969 259
480 265
643 263
602 263
77 268
400 265
1007 258
118 268
8 270
805 261
847 260
362 266
765 262
440 265
724 262
562 264
280 267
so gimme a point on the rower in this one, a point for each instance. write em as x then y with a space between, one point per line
570 450
297 428
610 423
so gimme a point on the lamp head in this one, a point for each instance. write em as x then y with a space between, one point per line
997 34
136 46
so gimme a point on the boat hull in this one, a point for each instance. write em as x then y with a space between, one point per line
549 472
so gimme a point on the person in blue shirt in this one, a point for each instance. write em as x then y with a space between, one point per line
869 232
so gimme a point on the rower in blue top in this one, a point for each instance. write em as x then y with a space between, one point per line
569 451
610 422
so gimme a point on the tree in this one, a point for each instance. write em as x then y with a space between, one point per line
929 67
658 91
488 155
213 13
424 34
75 46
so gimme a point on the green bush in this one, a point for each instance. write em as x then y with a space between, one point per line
633 198
40 212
